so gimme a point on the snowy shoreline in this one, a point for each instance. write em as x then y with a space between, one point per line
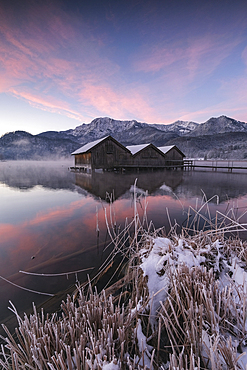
180 303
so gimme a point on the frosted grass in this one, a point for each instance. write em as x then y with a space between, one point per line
179 302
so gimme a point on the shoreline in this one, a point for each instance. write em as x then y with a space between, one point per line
180 302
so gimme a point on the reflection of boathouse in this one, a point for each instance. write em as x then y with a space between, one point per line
107 153
100 184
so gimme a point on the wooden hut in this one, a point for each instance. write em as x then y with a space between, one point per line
146 156
172 155
106 153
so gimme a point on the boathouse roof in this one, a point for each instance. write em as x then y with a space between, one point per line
166 149
88 146
133 149
136 148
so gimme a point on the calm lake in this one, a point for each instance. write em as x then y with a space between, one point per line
49 216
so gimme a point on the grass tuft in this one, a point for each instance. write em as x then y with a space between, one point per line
178 303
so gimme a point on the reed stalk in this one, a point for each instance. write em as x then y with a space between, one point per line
200 322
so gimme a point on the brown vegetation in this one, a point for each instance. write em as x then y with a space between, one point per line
201 324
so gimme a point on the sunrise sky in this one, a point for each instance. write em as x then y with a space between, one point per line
66 62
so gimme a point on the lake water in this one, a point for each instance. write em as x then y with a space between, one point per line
48 220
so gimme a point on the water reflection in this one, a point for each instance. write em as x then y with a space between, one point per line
98 184
184 184
48 217
225 185
25 175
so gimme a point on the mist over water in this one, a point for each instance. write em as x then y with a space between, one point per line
48 218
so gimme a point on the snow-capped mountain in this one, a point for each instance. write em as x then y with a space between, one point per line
103 126
180 127
222 137
219 125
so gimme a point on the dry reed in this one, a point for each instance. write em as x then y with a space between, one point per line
200 324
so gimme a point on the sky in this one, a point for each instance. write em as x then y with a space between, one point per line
64 63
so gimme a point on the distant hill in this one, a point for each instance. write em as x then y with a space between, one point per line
22 145
130 132
221 137
220 125
230 145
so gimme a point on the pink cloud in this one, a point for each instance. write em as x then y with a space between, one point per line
179 70
115 103
43 26
244 55
87 83
195 56
205 54
158 59
29 57
48 104
35 69
234 93
232 105
199 116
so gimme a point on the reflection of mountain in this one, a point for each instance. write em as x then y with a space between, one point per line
25 175
184 184
99 184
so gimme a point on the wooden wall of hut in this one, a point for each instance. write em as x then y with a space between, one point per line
174 155
83 159
173 158
108 154
148 157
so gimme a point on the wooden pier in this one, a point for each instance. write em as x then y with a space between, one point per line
186 164
214 165
170 165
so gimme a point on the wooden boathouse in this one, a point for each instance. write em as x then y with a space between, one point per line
145 156
150 156
108 154
173 156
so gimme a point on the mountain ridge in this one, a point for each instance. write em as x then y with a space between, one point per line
185 134
219 125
